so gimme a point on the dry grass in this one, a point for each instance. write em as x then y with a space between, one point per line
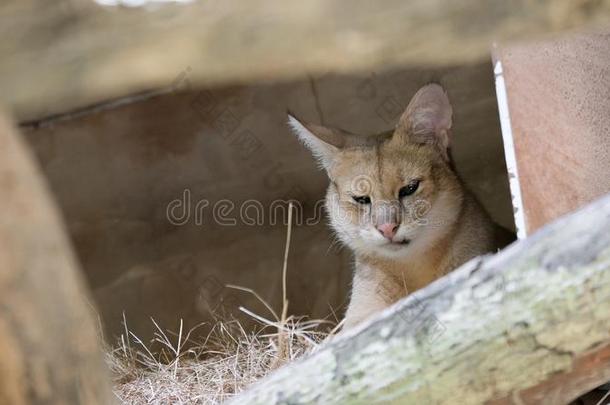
212 371
222 364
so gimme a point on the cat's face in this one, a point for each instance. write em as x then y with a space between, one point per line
392 193
388 200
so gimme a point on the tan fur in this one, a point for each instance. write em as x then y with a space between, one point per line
442 221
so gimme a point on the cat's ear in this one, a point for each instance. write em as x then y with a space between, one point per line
323 142
427 119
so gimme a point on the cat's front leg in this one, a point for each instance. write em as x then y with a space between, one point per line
372 291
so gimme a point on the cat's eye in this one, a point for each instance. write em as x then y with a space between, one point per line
408 189
365 199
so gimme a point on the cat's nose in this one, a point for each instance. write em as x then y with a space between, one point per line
388 230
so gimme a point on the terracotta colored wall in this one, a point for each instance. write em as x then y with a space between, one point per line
115 172
558 97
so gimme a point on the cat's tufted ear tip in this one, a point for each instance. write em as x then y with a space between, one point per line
428 118
429 110
290 114
323 142
293 120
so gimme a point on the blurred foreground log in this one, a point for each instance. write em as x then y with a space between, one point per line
530 325
60 54
48 340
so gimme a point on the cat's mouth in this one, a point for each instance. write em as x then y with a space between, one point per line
398 243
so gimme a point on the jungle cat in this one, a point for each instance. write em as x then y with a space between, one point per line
395 199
